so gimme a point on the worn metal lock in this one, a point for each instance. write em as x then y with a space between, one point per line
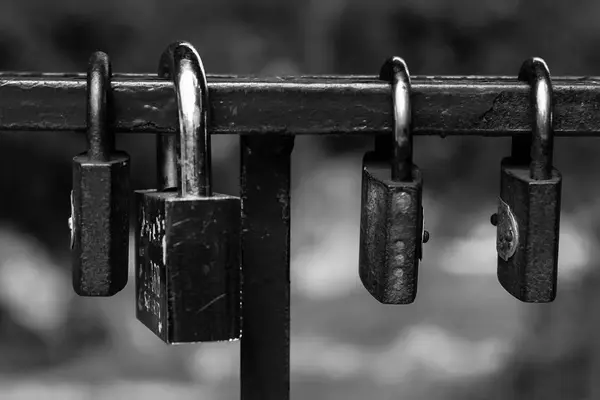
188 271
391 227
100 197
528 218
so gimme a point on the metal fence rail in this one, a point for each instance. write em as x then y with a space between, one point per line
315 105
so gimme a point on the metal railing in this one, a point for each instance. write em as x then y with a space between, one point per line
306 105
267 113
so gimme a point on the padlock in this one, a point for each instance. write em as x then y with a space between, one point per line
100 197
188 239
528 218
391 227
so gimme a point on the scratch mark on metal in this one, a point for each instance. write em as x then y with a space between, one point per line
186 220
210 303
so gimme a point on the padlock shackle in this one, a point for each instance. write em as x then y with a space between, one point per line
535 72
166 161
394 70
101 141
182 63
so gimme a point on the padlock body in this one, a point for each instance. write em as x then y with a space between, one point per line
530 274
188 271
100 230
391 232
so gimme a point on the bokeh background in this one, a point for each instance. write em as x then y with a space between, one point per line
463 338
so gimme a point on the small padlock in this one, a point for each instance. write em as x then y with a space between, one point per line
391 226
100 197
188 271
528 218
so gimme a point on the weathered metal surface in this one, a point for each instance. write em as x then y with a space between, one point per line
265 191
489 106
100 252
188 266
100 198
390 233
391 226
530 274
507 236
188 272
531 189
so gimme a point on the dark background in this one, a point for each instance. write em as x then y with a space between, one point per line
464 338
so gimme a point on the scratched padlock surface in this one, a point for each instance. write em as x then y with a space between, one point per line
187 278
388 261
151 302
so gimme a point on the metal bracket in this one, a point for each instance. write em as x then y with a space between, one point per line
507 237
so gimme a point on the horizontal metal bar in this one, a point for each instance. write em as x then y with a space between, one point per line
489 106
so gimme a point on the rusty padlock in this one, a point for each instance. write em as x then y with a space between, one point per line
528 218
188 271
391 228
100 197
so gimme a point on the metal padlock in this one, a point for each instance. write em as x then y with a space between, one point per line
188 272
100 197
391 227
528 218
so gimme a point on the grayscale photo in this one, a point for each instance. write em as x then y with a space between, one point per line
319 199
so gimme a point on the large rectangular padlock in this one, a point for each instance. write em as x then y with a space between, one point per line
100 198
528 218
391 228
188 272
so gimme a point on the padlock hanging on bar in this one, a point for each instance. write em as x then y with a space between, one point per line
528 218
188 273
100 197
391 227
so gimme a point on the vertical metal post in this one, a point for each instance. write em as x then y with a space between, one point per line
265 192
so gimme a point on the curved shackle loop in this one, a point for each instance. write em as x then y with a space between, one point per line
394 70
535 72
101 141
181 63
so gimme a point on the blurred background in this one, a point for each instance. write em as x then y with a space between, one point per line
463 338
